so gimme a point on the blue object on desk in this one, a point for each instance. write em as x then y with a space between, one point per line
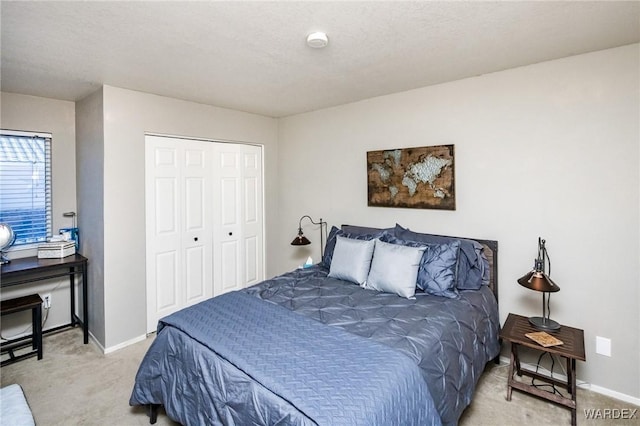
75 236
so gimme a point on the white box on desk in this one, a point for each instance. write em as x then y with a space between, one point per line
56 250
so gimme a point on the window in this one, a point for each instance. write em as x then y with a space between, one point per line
25 185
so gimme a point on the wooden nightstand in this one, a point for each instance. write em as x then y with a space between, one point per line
514 331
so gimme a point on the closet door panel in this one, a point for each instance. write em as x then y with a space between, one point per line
163 256
252 217
229 266
179 226
229 202
166 271
227 218
197 226
196 273
251 252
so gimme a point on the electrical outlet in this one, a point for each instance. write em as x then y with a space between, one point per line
46 301
603 346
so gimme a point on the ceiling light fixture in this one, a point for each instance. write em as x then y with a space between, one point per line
317 40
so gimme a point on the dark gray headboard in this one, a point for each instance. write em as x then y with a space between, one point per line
491 251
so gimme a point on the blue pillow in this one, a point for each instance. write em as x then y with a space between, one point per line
363 230
437 273
351 260
331 241
472 269
394 268
438 266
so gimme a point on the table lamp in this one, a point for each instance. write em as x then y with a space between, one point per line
538 280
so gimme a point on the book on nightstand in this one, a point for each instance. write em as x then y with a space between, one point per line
544 339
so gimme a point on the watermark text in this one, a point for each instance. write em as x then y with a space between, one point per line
611 413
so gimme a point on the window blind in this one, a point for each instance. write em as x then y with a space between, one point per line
25 185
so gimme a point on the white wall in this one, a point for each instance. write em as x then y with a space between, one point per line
30 113
127 116
90 183
547 150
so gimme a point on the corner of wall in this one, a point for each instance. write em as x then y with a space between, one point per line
90 187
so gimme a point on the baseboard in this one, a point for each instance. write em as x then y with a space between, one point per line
580 383
612 393
122 345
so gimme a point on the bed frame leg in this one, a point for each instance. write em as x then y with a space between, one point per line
152 412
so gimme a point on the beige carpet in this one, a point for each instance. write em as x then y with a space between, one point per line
76 384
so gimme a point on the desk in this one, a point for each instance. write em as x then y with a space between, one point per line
31 269
572 349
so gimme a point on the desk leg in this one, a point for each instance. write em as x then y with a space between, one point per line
85 303
72 291
37 331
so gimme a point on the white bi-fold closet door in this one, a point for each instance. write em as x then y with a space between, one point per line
204 221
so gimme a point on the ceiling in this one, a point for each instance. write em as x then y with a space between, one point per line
252 56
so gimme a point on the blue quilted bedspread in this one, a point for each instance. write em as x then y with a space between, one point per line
326 375
451 340
317 350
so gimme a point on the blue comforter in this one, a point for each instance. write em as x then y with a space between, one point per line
237 359
451 340
328 376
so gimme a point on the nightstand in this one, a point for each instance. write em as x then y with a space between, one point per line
572 349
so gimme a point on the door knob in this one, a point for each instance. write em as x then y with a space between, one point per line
230 233
195 239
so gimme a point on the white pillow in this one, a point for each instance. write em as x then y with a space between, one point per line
394 268
351 259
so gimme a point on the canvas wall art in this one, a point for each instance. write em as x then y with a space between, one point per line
421 178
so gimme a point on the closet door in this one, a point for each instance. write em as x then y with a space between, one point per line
179 228
204 211
238 217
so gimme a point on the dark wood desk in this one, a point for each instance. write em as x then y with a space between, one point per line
31 269
572 349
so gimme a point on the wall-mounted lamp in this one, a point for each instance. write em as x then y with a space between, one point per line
301 240
538 280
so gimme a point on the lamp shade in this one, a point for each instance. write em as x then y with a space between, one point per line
539 281
300 240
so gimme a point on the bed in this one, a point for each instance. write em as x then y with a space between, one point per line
392 327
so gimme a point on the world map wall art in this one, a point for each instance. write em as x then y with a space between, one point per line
420 178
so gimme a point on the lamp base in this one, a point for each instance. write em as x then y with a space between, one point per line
544 323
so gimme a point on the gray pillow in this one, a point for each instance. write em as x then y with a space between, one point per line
351 259
438 266
394 268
